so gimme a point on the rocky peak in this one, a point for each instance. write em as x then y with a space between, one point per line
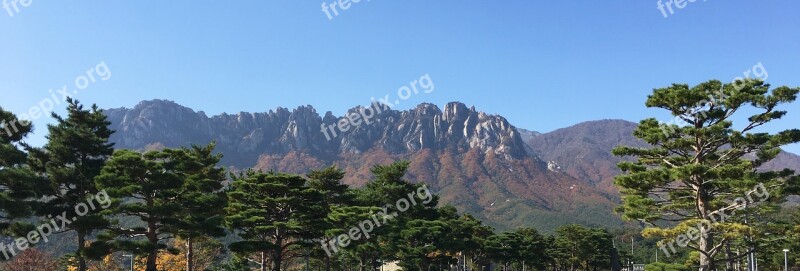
279 131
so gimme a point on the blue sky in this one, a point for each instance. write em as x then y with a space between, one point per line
542 64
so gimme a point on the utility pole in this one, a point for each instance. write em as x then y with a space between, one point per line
131 256
785 259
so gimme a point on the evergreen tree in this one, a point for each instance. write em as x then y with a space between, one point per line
581 248
19 185
504 248
328 181
390 192
435 244
342 219
533 251
341 208
234 263
422 241
145 186
473 247
274 214
693 172
201 197
76 151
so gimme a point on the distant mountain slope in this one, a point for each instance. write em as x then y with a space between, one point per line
476 161
784 160
584 151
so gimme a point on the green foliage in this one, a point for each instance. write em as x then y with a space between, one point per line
274 214
385 191
151 181
201 198
19 185
504 248
234 263
697 168
576 246
328 181
76 151
342 213
533 251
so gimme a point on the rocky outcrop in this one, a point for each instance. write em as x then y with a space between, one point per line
457 128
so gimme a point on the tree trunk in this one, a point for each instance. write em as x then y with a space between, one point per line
152 238
189 254
81 246
277 257
263 261
706 242
151 262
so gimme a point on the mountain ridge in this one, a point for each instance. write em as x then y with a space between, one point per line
478 162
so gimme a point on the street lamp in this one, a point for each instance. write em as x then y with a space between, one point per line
131 256
785 259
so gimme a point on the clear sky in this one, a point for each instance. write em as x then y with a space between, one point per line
542 64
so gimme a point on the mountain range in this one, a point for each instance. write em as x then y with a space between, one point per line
477 162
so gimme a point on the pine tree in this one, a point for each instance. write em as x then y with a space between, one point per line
388 190
579 247
473 247
76 151
694 171
534 247
341 210
328 181
274 214
504 248
145 186
19 186
234 263
201 197
435 243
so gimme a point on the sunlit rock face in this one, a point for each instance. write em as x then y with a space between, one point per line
457 128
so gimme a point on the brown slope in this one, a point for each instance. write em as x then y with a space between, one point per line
504 193
584 150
